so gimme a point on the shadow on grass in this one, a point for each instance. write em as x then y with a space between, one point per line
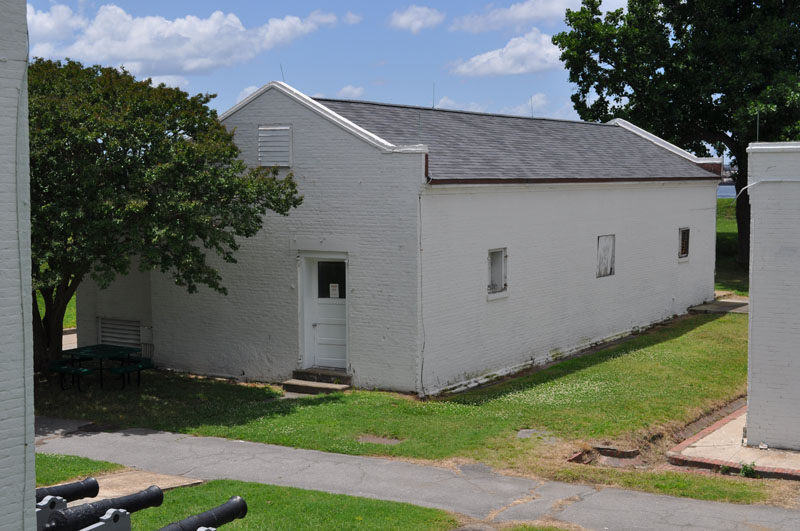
658 334
168 401
730 275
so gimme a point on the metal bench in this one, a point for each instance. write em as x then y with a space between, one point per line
130 366
68 366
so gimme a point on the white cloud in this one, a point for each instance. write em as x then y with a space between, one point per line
535 103
350 92
416 18
246 92
57 24
522 14
170 81
318 95
352 18
447 103
533 52
154 45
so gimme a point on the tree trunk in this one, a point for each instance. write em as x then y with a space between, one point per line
48 329
742 212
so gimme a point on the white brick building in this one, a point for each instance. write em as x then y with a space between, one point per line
434 249
17 484
773 401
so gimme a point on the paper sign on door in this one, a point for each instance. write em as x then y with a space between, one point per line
334 291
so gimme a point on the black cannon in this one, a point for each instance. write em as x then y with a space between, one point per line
229 511
88 488
81 516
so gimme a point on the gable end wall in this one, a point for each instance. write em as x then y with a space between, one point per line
357 200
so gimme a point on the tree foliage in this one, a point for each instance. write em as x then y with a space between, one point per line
698 73
121 169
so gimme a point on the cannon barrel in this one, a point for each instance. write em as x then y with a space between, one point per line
88 488
229 511
80 516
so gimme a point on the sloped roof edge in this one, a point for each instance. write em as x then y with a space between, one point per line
325 112
663 143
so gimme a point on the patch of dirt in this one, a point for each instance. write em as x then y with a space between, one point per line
375 439
542 522
731 296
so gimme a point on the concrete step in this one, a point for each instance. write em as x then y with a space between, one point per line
312 388
315 374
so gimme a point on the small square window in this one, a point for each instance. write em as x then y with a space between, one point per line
497 270
683 238
605 255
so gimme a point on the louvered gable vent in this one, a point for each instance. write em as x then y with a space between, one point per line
274 145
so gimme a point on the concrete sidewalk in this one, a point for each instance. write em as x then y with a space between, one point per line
721 445
472 490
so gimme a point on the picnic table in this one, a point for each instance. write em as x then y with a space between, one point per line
126 360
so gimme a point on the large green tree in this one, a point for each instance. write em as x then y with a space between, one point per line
122 169
699 73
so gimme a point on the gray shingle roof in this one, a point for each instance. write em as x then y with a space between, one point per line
467 145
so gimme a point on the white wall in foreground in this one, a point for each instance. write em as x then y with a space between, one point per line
17 501
555 303
773 403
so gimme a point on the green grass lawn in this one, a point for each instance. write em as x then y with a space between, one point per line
730 276
279 508
55 468
69 316
668 374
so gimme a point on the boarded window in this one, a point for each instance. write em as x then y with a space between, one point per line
274 145
497 270
683 238
605 255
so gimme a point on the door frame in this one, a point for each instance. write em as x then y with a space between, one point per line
305 260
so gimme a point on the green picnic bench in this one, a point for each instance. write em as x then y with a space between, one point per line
129 359
128 367
67 366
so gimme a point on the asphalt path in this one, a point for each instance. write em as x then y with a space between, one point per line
472 490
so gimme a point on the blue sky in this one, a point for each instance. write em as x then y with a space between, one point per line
484 57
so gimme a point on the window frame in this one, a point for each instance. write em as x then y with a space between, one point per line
497 293
681 231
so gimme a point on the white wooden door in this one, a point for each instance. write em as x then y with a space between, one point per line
328 315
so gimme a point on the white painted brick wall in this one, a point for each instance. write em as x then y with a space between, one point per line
17 501
128 297
358 200
365 203
773 413
555 302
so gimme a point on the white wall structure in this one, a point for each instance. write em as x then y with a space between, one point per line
773 401
17 483
412 201
555 304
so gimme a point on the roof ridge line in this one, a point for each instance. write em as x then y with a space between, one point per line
501 115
